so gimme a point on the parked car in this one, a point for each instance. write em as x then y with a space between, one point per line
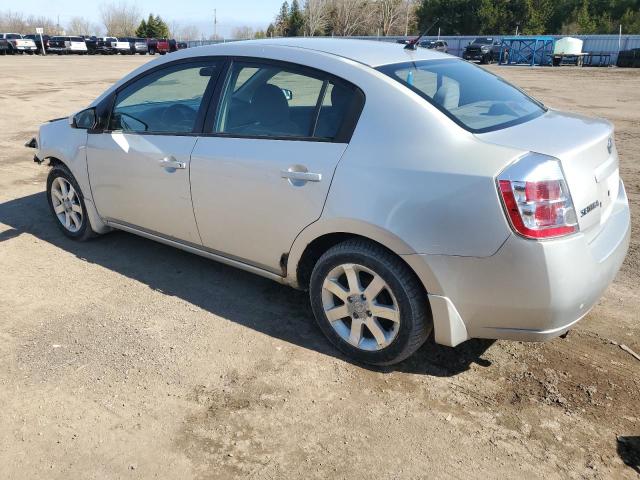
160 46
439 45
91 41
18 44
484 50
63 45
477 216
137 45
36 39
4 46
182 45
104 47
121 45
113 45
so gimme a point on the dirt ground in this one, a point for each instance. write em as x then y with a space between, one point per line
124 358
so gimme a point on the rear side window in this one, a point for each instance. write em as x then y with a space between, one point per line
165 101
276 101
469 95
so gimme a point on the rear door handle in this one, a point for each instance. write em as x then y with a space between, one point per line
301 176
171 162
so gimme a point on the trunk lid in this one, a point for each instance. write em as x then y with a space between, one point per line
587 152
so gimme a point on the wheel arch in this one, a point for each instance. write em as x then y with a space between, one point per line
319 237
97 224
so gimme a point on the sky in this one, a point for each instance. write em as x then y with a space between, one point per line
231 13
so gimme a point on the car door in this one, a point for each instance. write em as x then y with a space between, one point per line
262 173
139 166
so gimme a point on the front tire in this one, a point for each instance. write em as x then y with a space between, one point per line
368 303
66 204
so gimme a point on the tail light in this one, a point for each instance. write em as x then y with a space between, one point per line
536 198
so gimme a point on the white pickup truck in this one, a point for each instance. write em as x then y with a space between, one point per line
19 44
111 45
66 45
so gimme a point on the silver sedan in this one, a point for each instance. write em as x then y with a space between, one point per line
409 191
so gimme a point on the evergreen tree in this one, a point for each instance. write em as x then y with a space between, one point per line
586 24
141 31
539 13
296 20
282 20
154 27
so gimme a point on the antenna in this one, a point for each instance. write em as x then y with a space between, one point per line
215 24
413 44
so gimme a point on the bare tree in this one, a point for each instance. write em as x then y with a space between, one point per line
120 19
188 32
12 22
18 23
316 17
389 13
242 33
79 26
410 21
352 17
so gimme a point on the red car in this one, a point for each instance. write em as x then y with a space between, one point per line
160 46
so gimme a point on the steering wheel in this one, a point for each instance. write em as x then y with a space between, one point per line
178 115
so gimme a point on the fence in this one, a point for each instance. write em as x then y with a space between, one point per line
607 44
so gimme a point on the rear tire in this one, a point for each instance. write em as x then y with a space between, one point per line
383 329
66 204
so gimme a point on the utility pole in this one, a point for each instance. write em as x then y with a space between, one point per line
215 24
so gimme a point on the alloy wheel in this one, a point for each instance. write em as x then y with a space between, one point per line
360 307
66 204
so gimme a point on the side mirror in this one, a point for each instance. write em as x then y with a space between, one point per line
84 120
288 94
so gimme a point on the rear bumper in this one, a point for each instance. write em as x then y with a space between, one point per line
529 290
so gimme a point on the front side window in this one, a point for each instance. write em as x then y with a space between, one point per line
276 101
166 101
469 95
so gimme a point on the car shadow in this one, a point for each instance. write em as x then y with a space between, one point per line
629 451
249 300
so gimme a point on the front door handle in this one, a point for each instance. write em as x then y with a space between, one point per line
171 162
301 176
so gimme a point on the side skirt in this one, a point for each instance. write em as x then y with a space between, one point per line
199 251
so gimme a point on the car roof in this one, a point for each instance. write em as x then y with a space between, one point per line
369 52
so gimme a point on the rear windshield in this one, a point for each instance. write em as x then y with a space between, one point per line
13 36
77 39
472 97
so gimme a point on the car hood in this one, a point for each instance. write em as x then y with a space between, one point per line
587 151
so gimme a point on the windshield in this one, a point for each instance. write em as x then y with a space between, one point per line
472 97
13 36
484 41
